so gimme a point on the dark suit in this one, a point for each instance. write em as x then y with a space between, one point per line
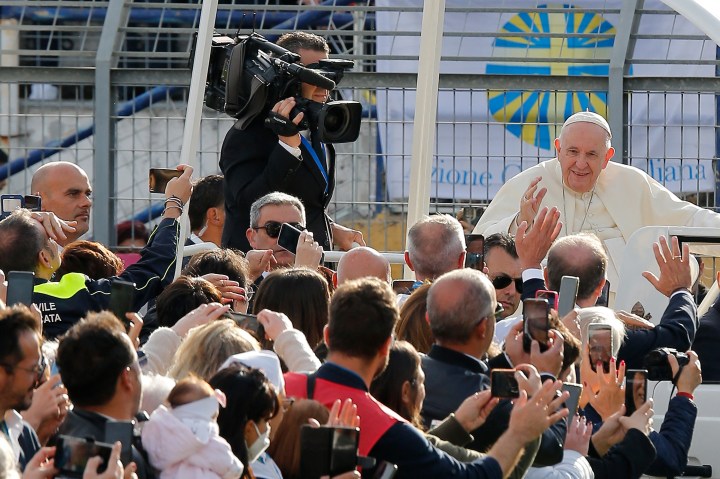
255 164
707 343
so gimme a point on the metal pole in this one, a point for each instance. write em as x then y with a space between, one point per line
191 133
425 112
103 212
616 79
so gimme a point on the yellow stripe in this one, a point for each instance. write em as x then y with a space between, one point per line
66 288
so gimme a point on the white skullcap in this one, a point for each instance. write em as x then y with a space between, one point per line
265 361
588 117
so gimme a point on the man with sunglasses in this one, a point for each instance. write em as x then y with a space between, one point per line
21 367
504 271
256 161
267 215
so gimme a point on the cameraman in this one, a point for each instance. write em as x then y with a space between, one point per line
256 161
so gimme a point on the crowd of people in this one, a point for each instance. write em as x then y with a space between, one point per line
230 369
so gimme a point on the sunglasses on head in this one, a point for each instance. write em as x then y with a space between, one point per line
503 281
272 228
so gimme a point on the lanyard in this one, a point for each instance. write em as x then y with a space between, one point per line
314 155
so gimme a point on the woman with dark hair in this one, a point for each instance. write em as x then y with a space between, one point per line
251 402
182 296
413 326
401 387
227 270
302 294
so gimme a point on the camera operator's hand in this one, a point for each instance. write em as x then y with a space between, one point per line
610 433
474 410
691 375
181 188
344 237
578 435
41 466
674 267
308 252
641 419
284 108
533 244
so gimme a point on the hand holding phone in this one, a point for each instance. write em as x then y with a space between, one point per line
122 294
20 288
160 177
73 453
536 323
551 296
328 450
635 389
504 384
600 345
248 322
288 237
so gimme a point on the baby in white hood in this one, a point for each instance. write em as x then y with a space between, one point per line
183 441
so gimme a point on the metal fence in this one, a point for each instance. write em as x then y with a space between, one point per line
104 84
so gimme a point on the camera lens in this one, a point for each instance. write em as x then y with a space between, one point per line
336 120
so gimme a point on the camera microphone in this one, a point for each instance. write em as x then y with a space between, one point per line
309 76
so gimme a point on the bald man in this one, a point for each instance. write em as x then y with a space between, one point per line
65 190
362 262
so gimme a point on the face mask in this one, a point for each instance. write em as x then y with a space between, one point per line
260 444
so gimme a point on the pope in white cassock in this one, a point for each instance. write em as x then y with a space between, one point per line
592 193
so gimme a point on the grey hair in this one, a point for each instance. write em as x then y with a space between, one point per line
434 244
454 321
275 198
601 315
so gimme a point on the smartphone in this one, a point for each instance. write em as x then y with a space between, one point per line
403 286
635 389
475 251
328 450
600 345
289 237
604 298
551 296
20 288
567 294
503 384
160 177
122 294
33 202
121 431
573 401
385 470
248 322
536 323
73 453
10 203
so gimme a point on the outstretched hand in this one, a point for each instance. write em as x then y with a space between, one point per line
533 244
674 266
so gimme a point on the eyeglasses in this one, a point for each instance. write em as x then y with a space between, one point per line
499 310
503 281
272 228
38 370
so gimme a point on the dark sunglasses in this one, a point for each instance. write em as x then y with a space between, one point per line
272 228
503 281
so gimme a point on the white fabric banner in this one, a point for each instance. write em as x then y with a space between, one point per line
486 137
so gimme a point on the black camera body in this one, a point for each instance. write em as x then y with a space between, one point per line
658 366
248 75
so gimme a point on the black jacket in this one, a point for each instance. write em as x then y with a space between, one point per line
65 302
627 459
255 164
451 376
87 424
707 343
